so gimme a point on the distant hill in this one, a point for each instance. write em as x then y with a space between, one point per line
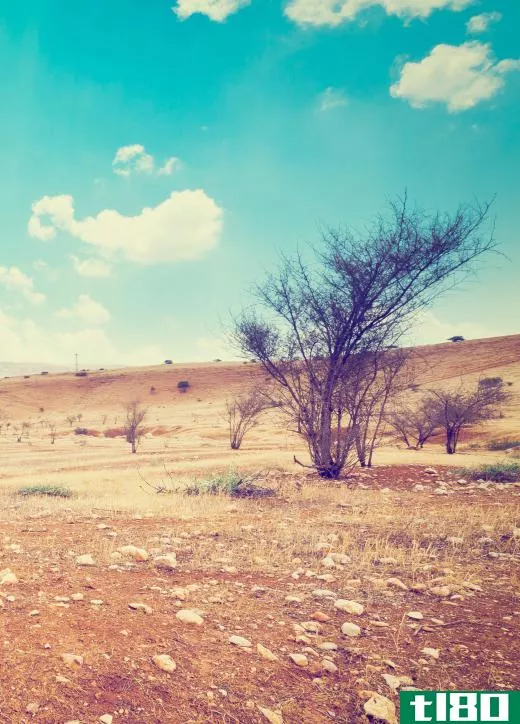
17 369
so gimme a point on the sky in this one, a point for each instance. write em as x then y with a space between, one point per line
158 158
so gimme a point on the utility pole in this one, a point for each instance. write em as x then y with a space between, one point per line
76 359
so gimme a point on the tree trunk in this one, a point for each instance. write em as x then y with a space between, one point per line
451 443
134 449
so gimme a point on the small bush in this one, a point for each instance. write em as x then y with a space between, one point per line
505 444
82 373
52 491
168 362
44 372
231 483
491 382
498 473
183 385
152 390
81 431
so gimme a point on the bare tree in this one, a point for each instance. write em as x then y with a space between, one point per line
415 425
456 409
133 429
242 415
360 296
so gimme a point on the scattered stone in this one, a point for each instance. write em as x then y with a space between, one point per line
136 554
328 562
430 471
72 660
273 717
329 666
349 606
350 629
167 562
433 653
165 663
381 708
393 681
32 708
441 591
415 615
7 577
186 615
266 653
106 719
311 626
240 641
140 607
299 659
396 583
320 616
85 560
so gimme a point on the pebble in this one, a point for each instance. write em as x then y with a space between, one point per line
350 629
167 562
135 553
164 662
266 653
240 641
415 615
381 708
299 659
85 560
186 615
349 606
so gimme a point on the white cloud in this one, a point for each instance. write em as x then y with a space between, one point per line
24 340
91 267
331 98
334 12
132 159
14 280
430 329
461 76
217 10
169 166
86 310
481 23
184 226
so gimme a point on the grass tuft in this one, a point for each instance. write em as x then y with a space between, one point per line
506 472
505 444
52 491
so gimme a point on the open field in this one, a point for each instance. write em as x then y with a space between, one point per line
431 558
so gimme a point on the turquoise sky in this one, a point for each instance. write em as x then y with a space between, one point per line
157 159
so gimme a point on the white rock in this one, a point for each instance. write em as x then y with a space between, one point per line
168 562
328 562
299 660
350 629
106 719
273 717
349 606
165 663
186 615
135 553
240 641
85 560
7 577
266 653
433 653
396 583
415 615
381 708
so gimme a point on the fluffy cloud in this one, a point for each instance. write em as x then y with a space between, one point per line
335 12
481 23
86 310
461 76
184 226
331 98
24 340
97 268
217 10
14 280
135 160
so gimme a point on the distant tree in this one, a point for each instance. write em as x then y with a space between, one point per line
132 429
456 409
416 424
456 338
359 296
242 415
183 386
168 362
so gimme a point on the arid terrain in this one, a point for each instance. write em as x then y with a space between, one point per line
404 575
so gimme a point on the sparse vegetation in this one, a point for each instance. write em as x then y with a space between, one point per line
183 386
456 338
133 427
52 491
505 444
81 431
506 472
242 415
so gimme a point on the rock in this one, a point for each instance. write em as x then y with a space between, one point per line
168 562
455 541
441 591
349 606
415 615
165 663
430 471
320 616
72 660
350 629
323 593
136 554
396 583
7 577
393 681
140 607
341 558
381 708
311 626
32 708
85 560
328 646
266 654
329 666
328 562
433 653
299 660
273 717
106 719
186 615
240 641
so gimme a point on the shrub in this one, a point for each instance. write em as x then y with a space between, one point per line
152 390
505 444
168 362
44 373
456 338
231 483
491 382
80 431
27 377
52 491
183 385
82 373
499 472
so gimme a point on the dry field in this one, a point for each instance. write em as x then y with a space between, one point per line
423 567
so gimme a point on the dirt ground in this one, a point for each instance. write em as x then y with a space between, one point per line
284 573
